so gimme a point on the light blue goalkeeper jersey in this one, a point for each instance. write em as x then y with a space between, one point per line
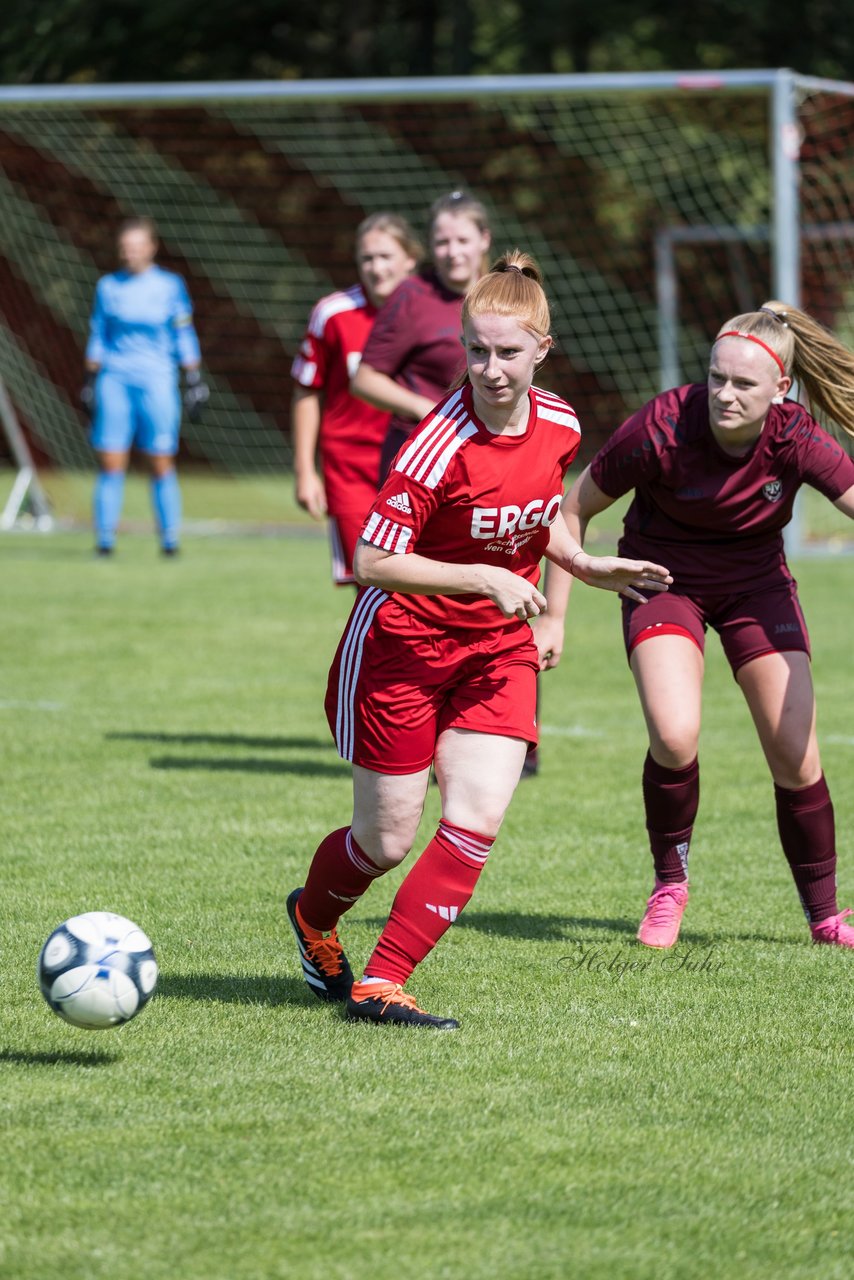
142 325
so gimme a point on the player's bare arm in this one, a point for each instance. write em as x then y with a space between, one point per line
305 432
383 392
845 503
414 574
612 573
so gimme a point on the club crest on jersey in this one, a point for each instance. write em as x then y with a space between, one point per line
773 490
400 502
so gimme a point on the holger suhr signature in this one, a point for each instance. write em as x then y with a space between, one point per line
600 959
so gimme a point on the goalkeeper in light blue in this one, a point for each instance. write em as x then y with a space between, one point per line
141 335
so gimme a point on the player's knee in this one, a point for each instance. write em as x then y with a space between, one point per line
674 745
481 816
385 849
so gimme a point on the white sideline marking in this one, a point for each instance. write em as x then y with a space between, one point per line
15 704
573 731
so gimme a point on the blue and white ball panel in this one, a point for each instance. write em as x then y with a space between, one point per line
97 970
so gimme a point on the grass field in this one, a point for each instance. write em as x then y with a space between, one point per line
602 1112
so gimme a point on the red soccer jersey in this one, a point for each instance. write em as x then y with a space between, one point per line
416 340
457 492
351 431
715 520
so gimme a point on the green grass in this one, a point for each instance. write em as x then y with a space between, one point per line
602 1112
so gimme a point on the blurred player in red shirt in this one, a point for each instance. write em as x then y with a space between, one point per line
715 468
413 353
325 417
437 665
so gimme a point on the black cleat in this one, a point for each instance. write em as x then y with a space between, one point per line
388 1002
170 551
324 964
104 551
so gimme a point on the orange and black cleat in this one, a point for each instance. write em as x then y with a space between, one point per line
324 964
388 1002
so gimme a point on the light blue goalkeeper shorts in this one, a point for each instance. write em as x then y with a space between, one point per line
147 417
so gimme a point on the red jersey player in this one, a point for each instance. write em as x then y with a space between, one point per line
349 432
413 354
437 664
715 469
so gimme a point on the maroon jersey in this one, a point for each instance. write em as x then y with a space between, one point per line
416 340
716 521
351 431
457 492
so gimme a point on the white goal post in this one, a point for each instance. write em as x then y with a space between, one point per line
742 179
26 491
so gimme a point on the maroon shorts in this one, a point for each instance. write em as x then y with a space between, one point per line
397 683
749 624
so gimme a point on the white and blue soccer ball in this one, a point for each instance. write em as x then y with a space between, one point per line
97 970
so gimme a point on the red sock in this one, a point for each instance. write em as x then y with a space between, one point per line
339 874
808 835
671 798
429 901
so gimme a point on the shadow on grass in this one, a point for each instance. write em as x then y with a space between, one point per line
228 988
251 764
554 928
584 928
227 740
67 1057
512 924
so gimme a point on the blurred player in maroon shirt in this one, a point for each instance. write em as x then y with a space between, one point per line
437 665
413 353
715 469
325 417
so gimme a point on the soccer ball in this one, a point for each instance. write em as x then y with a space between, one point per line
97 970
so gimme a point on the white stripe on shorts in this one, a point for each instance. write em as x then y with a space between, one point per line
348 675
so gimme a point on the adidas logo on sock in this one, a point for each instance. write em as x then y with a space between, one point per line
447 913
400 502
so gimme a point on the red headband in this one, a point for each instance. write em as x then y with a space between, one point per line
751 337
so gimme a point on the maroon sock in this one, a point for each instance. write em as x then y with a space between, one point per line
429 901
808 835
671 798
339 874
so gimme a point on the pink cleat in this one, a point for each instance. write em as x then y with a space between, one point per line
663 915
834 931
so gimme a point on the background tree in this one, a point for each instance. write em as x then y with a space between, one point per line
51 41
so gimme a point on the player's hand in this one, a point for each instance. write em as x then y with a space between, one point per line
196 394
311 495
86 394
548 637
627 577
515 596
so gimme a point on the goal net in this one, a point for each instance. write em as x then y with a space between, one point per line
653 204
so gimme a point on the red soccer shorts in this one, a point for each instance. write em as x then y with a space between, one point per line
396 684
750 624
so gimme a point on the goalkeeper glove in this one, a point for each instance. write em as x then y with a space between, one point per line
87 394
196 393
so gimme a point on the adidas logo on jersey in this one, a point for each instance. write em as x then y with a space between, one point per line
447 913
400 502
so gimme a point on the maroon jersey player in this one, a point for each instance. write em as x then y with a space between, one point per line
437 665
715 469
325 418
413 353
